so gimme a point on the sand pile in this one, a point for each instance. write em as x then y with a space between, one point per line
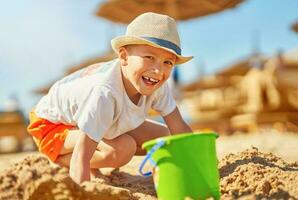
255 175
246 175
35 178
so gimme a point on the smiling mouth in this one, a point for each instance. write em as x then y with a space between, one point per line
150 81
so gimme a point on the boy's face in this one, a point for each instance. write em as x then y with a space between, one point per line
145 68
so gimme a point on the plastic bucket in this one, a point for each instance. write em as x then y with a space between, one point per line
185 165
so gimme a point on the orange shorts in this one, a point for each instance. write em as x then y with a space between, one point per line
49 137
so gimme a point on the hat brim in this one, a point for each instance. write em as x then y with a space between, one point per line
121 41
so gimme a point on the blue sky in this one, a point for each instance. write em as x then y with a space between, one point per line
39 40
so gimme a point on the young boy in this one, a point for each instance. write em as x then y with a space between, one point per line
96 117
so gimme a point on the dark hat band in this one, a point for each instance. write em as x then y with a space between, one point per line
164 43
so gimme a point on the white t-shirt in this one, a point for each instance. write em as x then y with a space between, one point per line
94 99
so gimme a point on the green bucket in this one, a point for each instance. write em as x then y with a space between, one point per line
185 165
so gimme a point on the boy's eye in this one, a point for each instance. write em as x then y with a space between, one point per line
149 57
169 63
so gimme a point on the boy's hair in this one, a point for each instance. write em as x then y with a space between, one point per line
128 47
155 30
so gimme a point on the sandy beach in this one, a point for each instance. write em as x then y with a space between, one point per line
252 166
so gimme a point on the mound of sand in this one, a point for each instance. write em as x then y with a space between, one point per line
255 175
35 178
248 175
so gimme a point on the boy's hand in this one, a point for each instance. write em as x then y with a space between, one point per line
79 169
79 173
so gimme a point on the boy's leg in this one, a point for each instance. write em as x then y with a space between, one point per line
116 152
147 131
110 153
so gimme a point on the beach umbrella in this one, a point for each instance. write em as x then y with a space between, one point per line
207 82
224 77
107 56
241 67
124 11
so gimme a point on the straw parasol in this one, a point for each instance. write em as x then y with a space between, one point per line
207 82
241 67
227 76
124 11
108 55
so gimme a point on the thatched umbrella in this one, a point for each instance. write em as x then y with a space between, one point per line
207 82
241 67
295 27
224 77
109 55
124 11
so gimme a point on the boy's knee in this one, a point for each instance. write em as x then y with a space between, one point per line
124 151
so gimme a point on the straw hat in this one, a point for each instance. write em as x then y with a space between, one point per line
155 30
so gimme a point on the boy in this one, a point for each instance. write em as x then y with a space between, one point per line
96 117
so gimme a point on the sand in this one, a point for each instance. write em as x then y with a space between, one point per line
256 175
35 178
247 174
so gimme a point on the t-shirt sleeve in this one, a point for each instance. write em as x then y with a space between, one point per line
163 102
95 114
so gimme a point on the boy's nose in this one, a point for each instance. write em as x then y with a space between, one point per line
157 68
158 72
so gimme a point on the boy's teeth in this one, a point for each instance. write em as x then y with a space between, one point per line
151 79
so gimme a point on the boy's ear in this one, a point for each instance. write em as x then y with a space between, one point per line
123 56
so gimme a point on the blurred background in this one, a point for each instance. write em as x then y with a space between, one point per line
243 78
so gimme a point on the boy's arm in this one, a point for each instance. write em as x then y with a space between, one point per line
83 151
175 123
